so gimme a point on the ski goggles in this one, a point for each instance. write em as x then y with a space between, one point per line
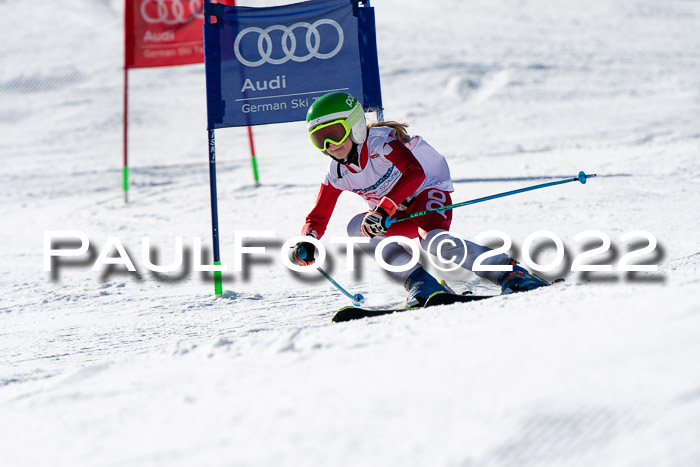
335 132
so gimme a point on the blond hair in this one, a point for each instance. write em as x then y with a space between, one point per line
400 129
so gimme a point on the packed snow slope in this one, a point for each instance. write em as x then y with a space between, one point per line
113 368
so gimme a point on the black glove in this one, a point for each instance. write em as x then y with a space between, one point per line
375 222
303 253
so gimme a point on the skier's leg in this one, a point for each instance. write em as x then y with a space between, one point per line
441 241
417 281
393 253
433 231
432 227
518 280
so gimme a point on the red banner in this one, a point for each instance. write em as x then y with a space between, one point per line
163 33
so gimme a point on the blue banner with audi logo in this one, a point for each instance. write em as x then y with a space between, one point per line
267 65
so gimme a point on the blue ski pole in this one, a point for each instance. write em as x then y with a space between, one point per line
581 177
357 299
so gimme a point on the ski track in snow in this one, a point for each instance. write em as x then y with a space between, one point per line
115 368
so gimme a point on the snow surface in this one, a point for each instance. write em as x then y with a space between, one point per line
112 368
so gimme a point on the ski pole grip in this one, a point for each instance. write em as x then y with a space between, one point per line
389 221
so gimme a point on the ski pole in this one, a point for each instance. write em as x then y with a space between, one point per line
581 177
357 299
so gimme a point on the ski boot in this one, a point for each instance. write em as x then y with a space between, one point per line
519 280
420 285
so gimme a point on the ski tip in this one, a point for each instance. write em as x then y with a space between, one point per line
350 313
346 313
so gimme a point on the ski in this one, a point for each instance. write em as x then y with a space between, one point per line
350 313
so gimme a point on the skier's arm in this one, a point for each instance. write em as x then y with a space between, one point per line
317 220
412 176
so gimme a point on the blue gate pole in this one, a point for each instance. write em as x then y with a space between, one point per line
211 141
218 286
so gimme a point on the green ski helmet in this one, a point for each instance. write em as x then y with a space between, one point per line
333 117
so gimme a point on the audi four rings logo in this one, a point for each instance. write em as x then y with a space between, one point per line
170 12
289 43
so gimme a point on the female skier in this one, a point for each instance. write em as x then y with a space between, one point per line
395 174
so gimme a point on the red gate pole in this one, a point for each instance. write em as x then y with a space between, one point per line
125 171
253 159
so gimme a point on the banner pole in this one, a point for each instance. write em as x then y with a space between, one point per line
218 283
125 143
